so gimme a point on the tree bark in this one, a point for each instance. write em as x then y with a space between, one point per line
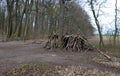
10 5
27 20
18 32
116 29
101 43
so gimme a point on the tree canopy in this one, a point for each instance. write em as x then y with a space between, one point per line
32 18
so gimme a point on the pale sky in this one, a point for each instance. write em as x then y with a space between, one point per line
107 15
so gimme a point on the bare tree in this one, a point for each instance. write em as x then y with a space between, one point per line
28 12
95 15
116 28
18 32
2 18
28 18
10 5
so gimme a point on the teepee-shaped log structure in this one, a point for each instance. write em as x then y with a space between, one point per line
75 43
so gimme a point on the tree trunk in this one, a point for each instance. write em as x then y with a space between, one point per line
116 29
10 11
36 17
27 20
16 16
19 28
61 19
101 43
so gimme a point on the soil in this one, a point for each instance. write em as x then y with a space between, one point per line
14 53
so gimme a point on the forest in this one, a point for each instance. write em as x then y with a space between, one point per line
58 38
23 19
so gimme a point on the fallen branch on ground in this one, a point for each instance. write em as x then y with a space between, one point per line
104 54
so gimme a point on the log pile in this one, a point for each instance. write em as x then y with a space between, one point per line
68 42
79 43
74 43
52 42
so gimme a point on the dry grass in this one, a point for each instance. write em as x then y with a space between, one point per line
52 70
102 60
113 49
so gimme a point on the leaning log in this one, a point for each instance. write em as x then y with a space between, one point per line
102 53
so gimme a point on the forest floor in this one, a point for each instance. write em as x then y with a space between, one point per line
15 53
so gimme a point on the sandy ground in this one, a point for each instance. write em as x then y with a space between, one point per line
15 53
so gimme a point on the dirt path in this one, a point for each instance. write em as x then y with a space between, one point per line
16 52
